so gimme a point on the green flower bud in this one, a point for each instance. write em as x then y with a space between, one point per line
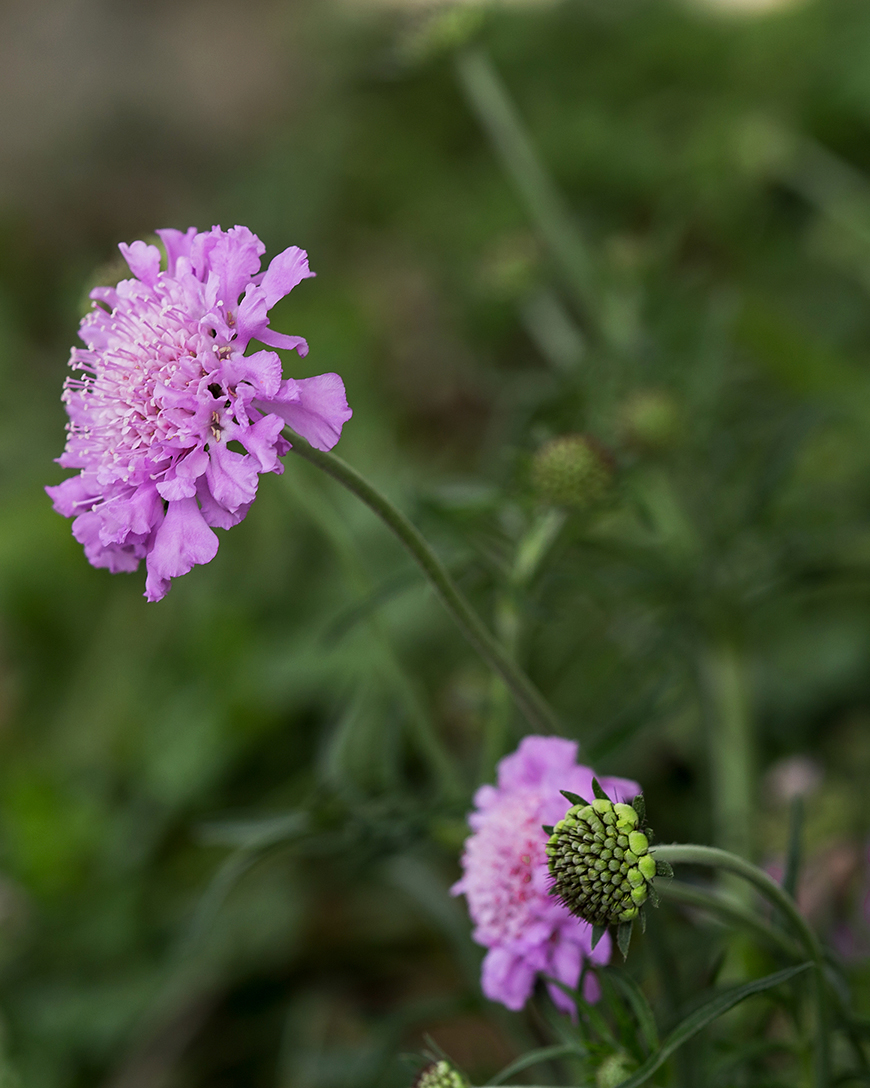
572 470
615 1069
651 420
600 862
440 1075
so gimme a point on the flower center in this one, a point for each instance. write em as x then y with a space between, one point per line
140 402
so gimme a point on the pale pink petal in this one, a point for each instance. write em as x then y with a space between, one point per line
507 978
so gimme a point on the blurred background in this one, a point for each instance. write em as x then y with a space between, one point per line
229 821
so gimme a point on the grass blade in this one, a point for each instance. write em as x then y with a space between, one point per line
704 1016
535 1057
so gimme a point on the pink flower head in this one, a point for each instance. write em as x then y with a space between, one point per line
506 881
166 390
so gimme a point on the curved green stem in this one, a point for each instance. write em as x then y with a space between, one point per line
527 697
690 854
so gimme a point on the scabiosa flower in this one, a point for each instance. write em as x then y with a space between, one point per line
165 390
506 881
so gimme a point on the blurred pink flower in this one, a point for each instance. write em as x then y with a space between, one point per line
165 387
506 881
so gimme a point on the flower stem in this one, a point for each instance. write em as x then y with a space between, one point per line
531 550
691 854
731 746
527 697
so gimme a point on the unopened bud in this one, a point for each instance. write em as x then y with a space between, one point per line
572 470
599 860
651 419
440 1074
615 1069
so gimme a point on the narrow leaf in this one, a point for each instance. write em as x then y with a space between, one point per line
597 933
639 806
793 857
664 868
598 791
550 829
535 1057
623 937
704 1016
639 1005
574 798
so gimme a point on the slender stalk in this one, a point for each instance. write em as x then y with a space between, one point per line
731 747
531 550
690 854
419 720
527 697
497 115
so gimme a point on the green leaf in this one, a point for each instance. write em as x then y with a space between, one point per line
574 798
664 868
548 828
535 1057
597 933
704 1016
639 806
598 791
636 998
623 937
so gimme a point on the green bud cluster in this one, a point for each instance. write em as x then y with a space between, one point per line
600 862
440 1074
651 420
572 470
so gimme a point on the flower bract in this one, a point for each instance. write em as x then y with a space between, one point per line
171 423
506 881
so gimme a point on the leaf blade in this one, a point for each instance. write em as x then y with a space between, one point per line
704 1016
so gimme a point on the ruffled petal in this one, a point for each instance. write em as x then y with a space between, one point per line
177 245
316 408
216 515
117 558
261 439
262 370
183 540
234 255
507 977
232 477
144 260
284 272
534 758
135 513
71 497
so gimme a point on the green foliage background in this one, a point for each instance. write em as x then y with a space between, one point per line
228 822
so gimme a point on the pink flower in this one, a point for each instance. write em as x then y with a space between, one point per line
506 881
165 393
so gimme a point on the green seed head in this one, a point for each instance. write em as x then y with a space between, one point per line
572 470
440 1075
600 862
615 1069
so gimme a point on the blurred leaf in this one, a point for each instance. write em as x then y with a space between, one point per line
704 1016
